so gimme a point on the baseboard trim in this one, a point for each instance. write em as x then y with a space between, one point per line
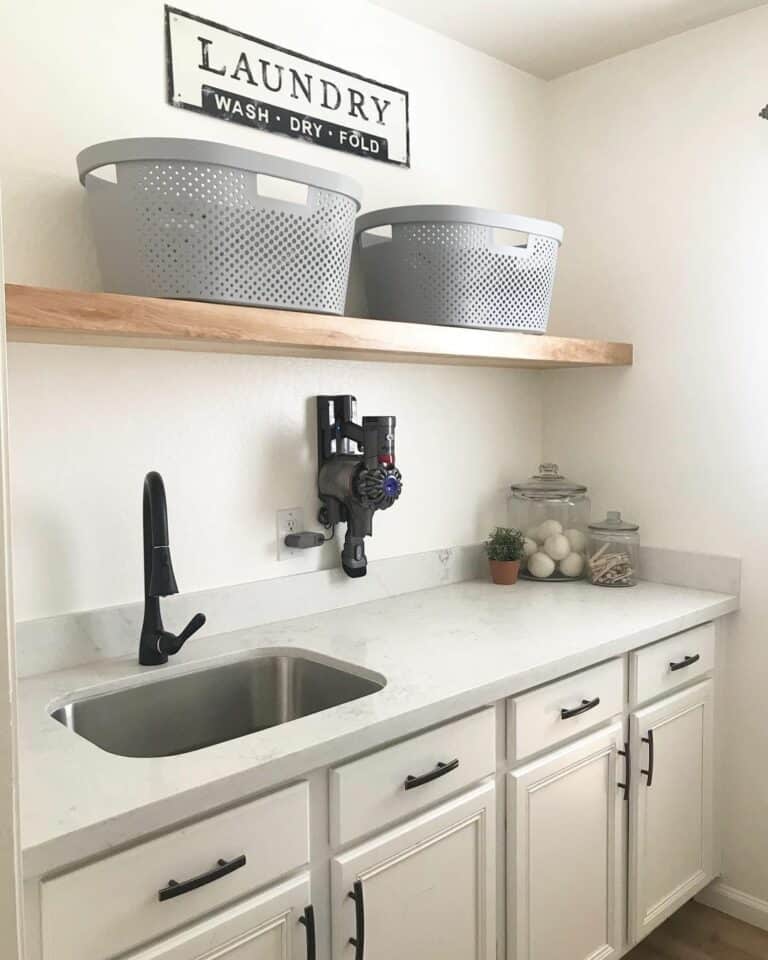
736 903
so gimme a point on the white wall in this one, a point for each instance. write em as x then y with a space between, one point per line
659 170
230 433
10 857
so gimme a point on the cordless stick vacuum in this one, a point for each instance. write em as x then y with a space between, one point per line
356 474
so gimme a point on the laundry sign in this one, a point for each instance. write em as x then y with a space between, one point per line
231 75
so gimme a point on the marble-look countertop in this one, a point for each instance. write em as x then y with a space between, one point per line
442 651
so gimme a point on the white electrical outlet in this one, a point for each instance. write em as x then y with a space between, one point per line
290 520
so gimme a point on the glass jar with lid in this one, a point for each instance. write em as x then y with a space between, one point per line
553 513
613 551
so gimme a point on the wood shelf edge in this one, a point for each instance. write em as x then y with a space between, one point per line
47 315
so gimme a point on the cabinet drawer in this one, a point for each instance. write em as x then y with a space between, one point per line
263 927
107 907
562 709
375 790
670 663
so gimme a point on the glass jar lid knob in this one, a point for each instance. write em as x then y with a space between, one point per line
613 522
548 482
549 471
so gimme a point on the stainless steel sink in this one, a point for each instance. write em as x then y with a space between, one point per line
173 715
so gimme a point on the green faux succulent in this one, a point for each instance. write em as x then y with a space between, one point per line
504 543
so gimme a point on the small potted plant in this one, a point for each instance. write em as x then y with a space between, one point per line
504 547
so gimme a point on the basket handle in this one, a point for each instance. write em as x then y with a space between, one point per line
442 213
222 154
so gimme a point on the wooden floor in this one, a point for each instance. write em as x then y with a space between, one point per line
698 933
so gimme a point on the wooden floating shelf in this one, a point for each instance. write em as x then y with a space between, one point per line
43 315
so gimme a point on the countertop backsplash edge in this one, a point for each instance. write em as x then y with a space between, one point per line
73 639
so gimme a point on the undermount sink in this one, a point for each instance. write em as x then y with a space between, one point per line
168 716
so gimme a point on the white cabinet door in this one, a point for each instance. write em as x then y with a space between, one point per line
266 927
424 890
671 843
566 863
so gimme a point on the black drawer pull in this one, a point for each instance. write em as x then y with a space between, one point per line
685 662
309 922
440 771
176 888
358 941
585 705
628 767
649 772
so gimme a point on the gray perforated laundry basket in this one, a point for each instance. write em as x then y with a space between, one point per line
444 265
185 219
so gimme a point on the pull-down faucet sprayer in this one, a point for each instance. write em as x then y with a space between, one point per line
157 644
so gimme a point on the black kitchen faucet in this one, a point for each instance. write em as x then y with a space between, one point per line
156 643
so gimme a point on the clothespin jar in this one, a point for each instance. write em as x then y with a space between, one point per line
613 552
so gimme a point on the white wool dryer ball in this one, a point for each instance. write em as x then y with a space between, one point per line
577 540
572 565
557 546
541 566
529 546
548 529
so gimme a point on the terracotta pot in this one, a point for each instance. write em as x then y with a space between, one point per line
504 571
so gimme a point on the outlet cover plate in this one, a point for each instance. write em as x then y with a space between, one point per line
289 520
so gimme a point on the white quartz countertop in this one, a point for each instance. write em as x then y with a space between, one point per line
442 651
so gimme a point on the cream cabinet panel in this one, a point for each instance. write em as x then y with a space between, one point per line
369 793
115 904
566 863
674 662
564 709
423 891
671 829
267 927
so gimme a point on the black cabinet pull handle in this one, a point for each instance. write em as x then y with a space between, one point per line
309 922
649 772
440 771
585 705
685 662
358 941
628 768
176 888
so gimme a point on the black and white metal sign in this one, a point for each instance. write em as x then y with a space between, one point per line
231 75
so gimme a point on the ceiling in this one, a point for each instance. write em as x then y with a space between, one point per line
551 37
